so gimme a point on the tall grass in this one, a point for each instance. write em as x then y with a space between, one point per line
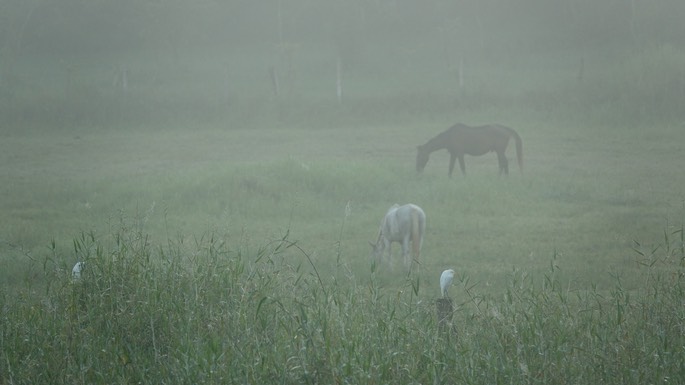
208 311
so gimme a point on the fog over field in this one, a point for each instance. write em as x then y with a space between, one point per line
223 164
237 64
110 108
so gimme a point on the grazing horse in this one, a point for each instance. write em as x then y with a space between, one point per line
401 224
461 139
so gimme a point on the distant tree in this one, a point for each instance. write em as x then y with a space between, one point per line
15 16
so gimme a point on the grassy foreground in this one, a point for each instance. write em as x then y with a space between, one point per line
209 311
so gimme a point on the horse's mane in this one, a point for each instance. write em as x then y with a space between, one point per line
442 137
384 222
395 222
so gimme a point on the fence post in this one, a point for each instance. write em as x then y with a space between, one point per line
445 311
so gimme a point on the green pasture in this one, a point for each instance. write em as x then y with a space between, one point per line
226 235
241 256
588 195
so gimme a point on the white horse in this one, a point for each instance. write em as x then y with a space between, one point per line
401 224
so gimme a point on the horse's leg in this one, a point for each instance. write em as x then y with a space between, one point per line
405 253
388 245
462 164
503 163
453 157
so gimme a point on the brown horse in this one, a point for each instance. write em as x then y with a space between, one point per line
461 139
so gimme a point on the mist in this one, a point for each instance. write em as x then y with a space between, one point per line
242 63
218 169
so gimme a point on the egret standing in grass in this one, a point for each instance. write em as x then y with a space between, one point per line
445 281
76 270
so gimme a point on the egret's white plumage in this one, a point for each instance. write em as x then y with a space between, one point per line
445 281
76 271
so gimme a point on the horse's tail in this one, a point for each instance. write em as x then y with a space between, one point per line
519 145
416 236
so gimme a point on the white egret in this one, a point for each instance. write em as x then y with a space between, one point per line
76 271
445 281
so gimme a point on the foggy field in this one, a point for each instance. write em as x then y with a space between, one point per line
221 167
579 207
586 194
188 239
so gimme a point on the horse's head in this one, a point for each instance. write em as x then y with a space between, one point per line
377 249
421 158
